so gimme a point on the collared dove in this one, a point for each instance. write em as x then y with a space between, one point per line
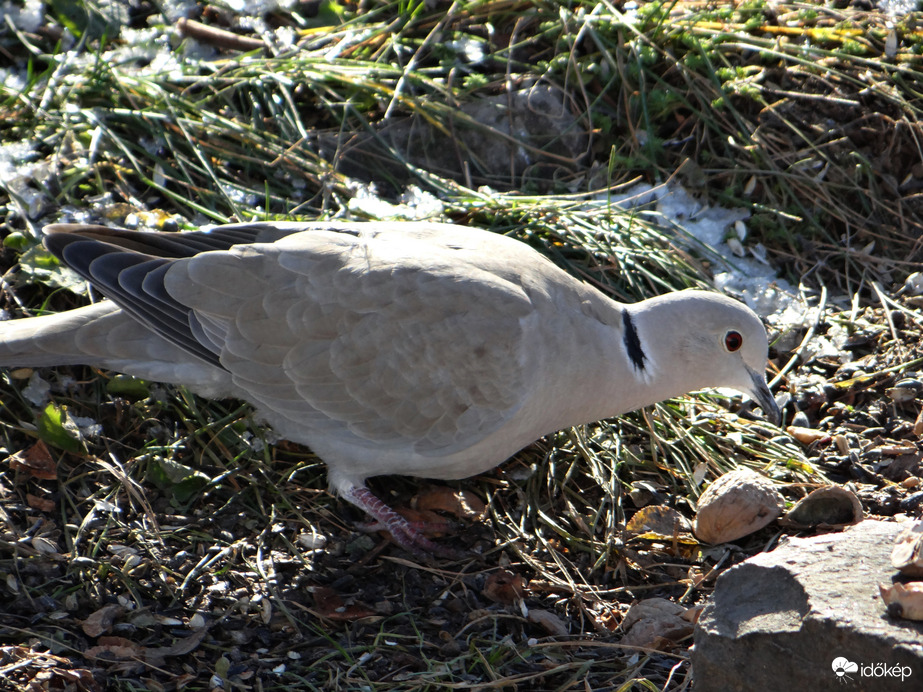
422 349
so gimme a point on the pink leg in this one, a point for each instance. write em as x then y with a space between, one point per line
401 530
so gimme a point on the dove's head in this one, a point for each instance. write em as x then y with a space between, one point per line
708 340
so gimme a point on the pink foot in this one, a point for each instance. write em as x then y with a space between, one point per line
401 530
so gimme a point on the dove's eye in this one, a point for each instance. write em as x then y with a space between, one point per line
733 341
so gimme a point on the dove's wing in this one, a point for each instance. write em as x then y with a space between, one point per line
387 340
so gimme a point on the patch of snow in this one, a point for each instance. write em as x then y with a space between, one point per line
13 80
897 8
415 204
28 17
749 276
174 10
37 391
84 426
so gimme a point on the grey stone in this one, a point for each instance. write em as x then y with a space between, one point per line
779 620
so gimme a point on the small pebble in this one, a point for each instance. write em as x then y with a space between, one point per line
800 420
911 502
842 444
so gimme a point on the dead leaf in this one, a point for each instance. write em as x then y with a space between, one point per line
181 647
692 614
329 604
39 671
907 555
655 623
425 521
903 600
40 503
459 503
504 586
101 621
658 519
114 648
36 461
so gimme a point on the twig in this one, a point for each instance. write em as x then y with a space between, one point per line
217 37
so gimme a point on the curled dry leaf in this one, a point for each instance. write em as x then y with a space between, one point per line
504 586
329 604
183 646
903 600
658 519
460 503
101 621
907 555
109 648
426 521
36 461
655 623
736 505
41 504
830 506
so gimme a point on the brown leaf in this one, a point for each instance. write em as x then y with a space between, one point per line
101 621
658 519
426 521
504 586
36 461
903 600
459 503
114 648
655 623
907 555
40 503
329 604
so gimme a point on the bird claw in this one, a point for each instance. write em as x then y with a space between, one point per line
403 532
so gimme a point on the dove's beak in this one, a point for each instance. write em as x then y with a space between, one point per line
761 394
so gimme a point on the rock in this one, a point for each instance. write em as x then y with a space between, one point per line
739 503
808 616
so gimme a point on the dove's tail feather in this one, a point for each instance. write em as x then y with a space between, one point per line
103 336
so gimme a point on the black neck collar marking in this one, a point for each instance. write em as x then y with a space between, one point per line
632 342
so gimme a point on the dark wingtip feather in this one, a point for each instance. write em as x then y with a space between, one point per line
59 236
161 243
